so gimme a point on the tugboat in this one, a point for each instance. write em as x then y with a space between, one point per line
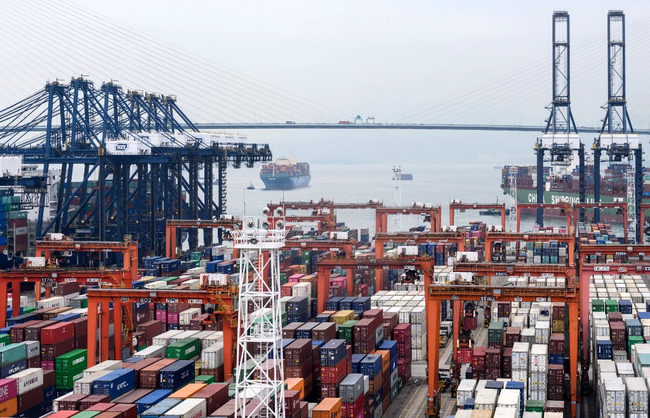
250 186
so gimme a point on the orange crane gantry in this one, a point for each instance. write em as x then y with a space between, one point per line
613 205
473 292
326 222
333 246
381 215
461 206
492 237
100 299
350 265
173 224
563 206
323 204
416 238
128 249
55 275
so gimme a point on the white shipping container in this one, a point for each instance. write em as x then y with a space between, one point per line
539 358
509 398
28 379
542 332
404 316
561 415
613 393
637 395
520 356
194 284
465 391
505 412
33 262
154 351
68 298
189 408
53 302
418 315
533 415
187 315
33 348
301 289
107 365
211 339
212 357
537 381
463 413
163 339
485 399
84 386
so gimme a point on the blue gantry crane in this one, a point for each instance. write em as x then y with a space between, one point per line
129 161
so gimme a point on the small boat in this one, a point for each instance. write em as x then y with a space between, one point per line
250 186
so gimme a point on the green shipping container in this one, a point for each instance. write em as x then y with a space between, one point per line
394 391
28 310
184 349
495 332
4 340
65 380
346 331
534 406
17 215
195 255
611 305
87 414
12 353
597 305
633 339
71 361
204 378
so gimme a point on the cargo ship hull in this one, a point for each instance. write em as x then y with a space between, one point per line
285 182
554 196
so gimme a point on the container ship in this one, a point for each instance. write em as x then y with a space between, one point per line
562 184
285 174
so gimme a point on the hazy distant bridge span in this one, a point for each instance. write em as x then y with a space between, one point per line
400 126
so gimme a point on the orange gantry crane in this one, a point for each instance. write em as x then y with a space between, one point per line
323 204
350 265
414 238
99 300
335 247
433 212
128 249
461 206
458 293
564 207
326 221
492 237
622 206
48 275
174 224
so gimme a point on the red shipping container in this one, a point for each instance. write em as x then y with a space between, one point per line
615 317
56 333
298 352
402 333
352 410
305 369
51 351
334 374
364 329
33 333
286 289
323 332
559 310
557 343
215 395
469 322
465 355
478 359
617 335
172 317
17 332
71 403
328 390
102 406
47 365
291 401
507 363
513 335
30 399
91 400
364 347
377 315
493 374
128 410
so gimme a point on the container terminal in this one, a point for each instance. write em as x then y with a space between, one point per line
133 293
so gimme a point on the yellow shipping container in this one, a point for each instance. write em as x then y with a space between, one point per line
342 316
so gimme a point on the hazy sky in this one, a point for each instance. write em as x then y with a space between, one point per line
489 60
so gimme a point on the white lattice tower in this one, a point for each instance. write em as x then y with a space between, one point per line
631 206
397 196
260 322
512 217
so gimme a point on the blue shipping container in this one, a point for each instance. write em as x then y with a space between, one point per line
391 346
332 353
334 303
362 304
557 359
12 368
160 408
346 304
604 349
211 267
469 403
115 384
176 375
153 398
371 365
356 362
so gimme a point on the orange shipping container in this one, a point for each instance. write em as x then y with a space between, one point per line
385 359
187 391
298 384
328 408
9 408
